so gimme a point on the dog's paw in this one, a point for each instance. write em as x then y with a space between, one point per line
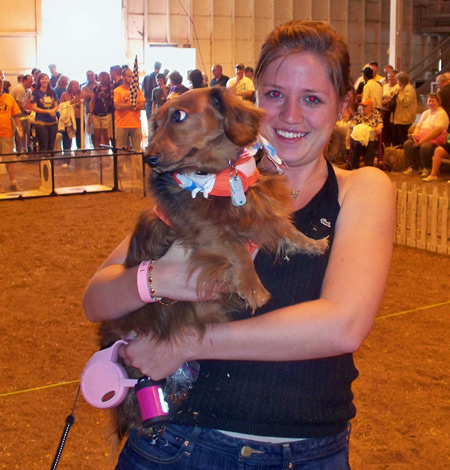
254 296
303 244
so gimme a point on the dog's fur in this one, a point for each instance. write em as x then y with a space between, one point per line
212 132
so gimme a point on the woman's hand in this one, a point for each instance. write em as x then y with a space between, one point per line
160 359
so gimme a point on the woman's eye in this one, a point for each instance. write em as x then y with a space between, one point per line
274 94
313 100
178 116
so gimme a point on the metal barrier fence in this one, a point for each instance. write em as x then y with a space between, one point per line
41 174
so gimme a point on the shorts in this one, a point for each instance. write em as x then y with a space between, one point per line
446 147
7 146
102 122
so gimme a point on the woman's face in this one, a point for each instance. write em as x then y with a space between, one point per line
433 103
44 81
301 106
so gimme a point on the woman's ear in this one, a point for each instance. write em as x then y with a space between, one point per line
241 119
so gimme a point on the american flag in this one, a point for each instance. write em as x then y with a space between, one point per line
134 84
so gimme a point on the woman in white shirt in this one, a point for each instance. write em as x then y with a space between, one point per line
430 132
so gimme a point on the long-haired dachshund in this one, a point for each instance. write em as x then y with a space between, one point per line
200 137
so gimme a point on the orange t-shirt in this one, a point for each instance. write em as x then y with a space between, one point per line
8 109
126 118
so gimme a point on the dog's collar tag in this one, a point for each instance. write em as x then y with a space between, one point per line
237 191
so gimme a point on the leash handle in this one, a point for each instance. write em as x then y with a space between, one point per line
69 421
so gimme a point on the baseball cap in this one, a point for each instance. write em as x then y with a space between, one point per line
240 66
367 102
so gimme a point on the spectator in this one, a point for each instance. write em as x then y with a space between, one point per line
240 84
387 69
390 89
219 79
127 118
205 80
160 93
443 83
35 72
405 109
372 89
148 84
196 78
249 72
116 75
19 93
61 86
374 67
73 95
54 75
9 111
45 104
441 152
429 133
100 110
176 80
366 126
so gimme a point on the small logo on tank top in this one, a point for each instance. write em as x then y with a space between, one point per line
325 222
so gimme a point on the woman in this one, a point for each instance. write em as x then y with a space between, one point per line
100 110
44 104
390 88
405 109
73 95
275 387
366 127
429 133
61 86
196 78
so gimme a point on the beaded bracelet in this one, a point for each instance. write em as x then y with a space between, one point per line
152 290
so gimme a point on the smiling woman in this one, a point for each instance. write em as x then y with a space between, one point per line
73 31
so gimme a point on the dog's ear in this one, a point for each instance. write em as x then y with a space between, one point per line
241 119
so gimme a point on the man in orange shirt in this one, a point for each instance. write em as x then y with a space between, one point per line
128 125
127 118
9 110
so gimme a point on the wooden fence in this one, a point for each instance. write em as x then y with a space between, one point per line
422 218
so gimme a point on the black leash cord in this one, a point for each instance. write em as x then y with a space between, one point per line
69 421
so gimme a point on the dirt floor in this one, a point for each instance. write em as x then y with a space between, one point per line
50 247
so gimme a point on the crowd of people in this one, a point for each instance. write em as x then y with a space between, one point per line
48 105
384 113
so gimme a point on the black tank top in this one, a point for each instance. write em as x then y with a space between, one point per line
296 399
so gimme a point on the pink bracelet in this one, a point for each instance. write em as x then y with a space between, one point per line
142 282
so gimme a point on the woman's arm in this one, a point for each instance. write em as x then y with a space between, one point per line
335 324
112 292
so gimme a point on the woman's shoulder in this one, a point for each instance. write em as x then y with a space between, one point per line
362 184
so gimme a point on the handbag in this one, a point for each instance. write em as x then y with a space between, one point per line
391 105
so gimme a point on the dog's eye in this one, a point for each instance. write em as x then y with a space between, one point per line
178 116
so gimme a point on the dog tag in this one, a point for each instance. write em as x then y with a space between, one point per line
237 191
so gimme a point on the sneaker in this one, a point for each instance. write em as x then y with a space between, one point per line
410 172
425 173
430 178
14 187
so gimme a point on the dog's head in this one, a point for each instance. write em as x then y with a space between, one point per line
201 131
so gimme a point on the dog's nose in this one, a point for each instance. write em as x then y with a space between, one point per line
152 160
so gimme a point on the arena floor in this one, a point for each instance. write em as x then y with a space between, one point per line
51 246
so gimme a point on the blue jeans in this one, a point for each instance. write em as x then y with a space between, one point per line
181 447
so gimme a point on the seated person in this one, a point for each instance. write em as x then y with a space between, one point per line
365 126
430 132
441 152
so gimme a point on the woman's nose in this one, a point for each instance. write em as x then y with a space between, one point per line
292 112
